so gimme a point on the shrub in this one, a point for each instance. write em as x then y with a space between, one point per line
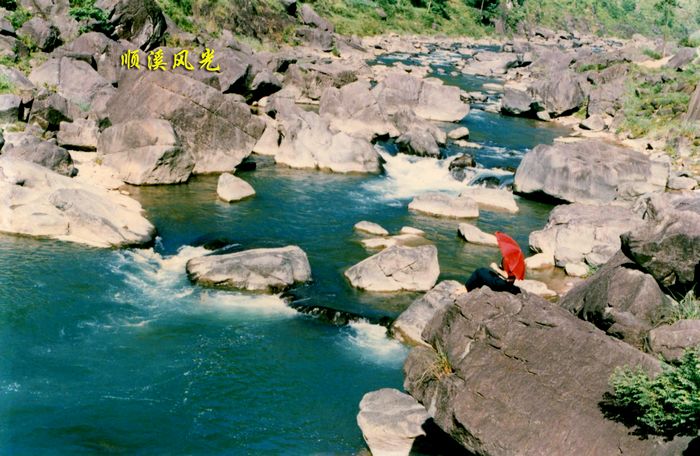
90 17
6 85
668 405
652 54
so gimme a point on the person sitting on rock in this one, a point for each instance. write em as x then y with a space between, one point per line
495 278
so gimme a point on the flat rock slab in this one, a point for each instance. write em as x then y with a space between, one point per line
370 228
397 268
474 235
391 421
442 205
266 270
520 375
231 188
492 198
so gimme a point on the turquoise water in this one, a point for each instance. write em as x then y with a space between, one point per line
115 351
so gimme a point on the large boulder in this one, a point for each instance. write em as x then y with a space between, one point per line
391 421
218 130
409 326
231 188
43 153
559 94
140 22
305 81
474 235
492 199
105 52
397 268
693 113
417 135
353 109
78 135
619 299
145 152
590 171
578 232
515 374
428 98
10 108
488 63
516 100
266 270
442 205
681 59
49 110
668 245
308 142
36 201
41 33
671 341
309 16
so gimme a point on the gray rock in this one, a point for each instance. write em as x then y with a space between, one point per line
693 112
309 81
397 268
427 98
145 152
516 101
407 122
10 108
264 83
391 421
589 171
671 341
49 110
593 123
321 39
42 33
668 245
458 133
79 135
619 299
559 94
310 17
680 182
267 270
474 235
458 166
371 228
684 57
218 130
409 326
231 188
581 232
519 375
36 201
418 142
105 53
487 63
442 205
607 98
43 153
140 22
494 199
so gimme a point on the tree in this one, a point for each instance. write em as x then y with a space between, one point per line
667 17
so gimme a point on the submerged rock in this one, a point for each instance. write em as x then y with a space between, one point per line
442 205
266 270
391 421
397 268
36 201
589 171
231 188
515 374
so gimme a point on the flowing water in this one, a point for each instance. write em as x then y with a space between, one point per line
116 352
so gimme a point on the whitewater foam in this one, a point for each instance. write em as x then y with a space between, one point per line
373 344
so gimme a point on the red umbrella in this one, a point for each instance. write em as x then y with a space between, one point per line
513 258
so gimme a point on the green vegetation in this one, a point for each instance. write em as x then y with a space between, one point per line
687 308
668 405
18 17
440 368
652 54
6 86
180 11
90 17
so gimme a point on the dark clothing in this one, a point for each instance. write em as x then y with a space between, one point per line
485 276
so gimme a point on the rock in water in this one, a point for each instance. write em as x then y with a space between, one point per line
266 270
390 422
492 198
36 201
217 129
589 172
442 205
515 374
458 133
231 188
668 246
371 228
581 232
145 152
474 235
397 268
409 326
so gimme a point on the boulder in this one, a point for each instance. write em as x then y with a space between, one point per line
10 108
619 299
578 269
488 63
391 421
41 33
693 113
593 123
684 57
231 188
607 98
559 94
316 38
218 130
459 164
492 199
36 201
540 261
411 230
263 84
668 245
442 205
458 133
397 268
418 142
536 287
140 22
409 325
309 16
269 142
671 341
681 182
428 98
516 101
43 153
354 110
589 171
49 110
145 152
103 51
78 135
308 142
309 81
474 235
515 374
266 270
579 232
370 228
